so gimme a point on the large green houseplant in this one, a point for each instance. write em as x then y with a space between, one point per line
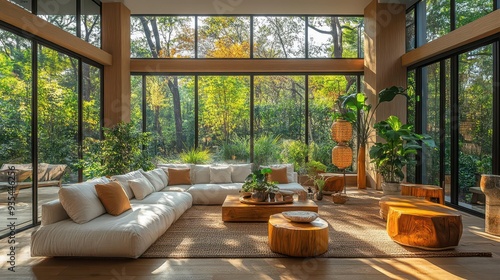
399 149
257 185
354 108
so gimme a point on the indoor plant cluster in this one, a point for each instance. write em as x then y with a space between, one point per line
257 186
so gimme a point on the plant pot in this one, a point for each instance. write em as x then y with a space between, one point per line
391 188
339 198
259 196
319 195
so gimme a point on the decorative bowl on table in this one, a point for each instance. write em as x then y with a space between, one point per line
300 216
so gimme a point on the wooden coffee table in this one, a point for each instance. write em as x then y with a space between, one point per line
235 211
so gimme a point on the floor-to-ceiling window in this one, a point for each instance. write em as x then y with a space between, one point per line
51 108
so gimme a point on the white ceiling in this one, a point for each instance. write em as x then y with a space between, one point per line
270 7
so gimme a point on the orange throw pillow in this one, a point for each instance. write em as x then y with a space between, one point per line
113 197
278 175
179 176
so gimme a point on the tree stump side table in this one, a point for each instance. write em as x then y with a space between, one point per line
297 239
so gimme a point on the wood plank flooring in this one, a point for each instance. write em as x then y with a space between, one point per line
28 267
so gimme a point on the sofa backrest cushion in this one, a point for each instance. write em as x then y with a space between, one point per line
179 176
220 174
122 179
239 172
200 174
81 202
113 197
141 187
154 177
53 212
99 180
278 174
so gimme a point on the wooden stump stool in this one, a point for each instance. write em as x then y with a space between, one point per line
422 224
297 239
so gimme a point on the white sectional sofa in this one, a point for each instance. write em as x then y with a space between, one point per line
78 224
209 187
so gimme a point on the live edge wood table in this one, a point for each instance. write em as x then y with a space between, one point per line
297 239
235 211
429 192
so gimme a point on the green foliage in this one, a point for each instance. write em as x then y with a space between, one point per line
120 152
361 115
195 156
294 151
400 145
239 147
266 150
257 181
313 167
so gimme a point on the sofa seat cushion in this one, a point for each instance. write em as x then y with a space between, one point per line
126 235
179 201
176 188
295 187
209 194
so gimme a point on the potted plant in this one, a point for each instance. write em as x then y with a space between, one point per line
400 146
355 110
257 185
319 182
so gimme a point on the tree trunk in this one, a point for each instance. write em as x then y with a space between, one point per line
174 88
361 167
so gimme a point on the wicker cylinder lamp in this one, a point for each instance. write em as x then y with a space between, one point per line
342 154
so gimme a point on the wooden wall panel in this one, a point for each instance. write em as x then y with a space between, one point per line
384 45
246 65
116 41
20 18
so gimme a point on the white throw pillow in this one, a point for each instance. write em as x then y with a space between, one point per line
141 187
122 179
99 180
220 174
163 176
200 174
81 202
154 178
239 172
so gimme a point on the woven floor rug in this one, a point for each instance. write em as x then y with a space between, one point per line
356 231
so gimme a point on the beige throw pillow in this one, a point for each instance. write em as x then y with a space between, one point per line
81 203
220 175
141 187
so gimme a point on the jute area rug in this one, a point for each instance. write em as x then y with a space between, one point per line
355 228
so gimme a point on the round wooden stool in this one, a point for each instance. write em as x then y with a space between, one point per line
297 239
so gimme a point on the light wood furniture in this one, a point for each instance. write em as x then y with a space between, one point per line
416 222
429 192
297 239
235 211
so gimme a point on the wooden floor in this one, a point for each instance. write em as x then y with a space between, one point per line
279 268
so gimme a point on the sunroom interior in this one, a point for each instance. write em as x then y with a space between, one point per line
249 82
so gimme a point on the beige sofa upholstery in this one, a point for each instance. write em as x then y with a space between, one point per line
100 234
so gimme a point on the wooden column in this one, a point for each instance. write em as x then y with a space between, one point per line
116 41
384 45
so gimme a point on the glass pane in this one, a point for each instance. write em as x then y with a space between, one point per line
224 117
468 11
90 24
437 19
323 93
91 104
279 37
279 106
136 101
410 30
57 122
410 116
447 133
60 13
162 37
170 115
335 37
15 128
26 4
431 83
223 37
475 122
